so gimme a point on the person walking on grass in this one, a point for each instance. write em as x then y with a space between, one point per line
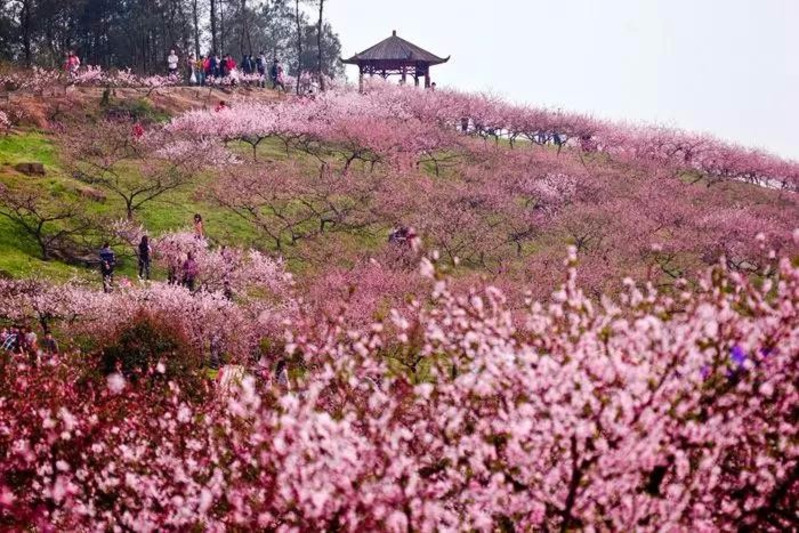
107 263
145 255
190 271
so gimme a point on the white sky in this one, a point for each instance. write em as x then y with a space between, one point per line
728 67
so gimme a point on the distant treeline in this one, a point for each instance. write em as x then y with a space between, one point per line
139 33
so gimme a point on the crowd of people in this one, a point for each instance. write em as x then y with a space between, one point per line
21 340
200 71
184 274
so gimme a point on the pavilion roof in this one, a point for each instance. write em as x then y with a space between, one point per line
395 50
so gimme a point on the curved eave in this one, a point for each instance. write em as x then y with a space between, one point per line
356 61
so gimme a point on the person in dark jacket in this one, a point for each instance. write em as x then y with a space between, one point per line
276 75
214 66
190 271
145 256
107 263
247 66
49 344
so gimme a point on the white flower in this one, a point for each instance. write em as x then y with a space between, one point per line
116 383
426 268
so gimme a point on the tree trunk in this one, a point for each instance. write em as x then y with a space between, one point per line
245 29
299 43
222 34
196 19
214 40
319 45
43 247
25 27
185 37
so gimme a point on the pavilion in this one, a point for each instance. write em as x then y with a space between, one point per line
395 56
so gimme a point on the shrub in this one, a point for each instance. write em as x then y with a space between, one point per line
151 345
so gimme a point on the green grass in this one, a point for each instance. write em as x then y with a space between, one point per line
27 148
19 257
19 253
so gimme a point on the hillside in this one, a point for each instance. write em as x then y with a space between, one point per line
500 203
400 310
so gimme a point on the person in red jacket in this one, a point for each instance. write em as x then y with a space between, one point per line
231 63
230 68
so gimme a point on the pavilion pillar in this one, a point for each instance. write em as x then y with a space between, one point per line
360 78
404 74
416 80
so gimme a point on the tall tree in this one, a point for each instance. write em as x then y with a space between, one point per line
214 40
26 29
139 33
195 13
246 38
319 32
299 42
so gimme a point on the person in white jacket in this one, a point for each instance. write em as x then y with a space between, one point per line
172 63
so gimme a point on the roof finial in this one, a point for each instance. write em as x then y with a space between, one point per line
394 33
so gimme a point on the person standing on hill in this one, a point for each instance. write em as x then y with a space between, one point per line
218 67
199 69
172 61
276 75
72 63
199 230
231 70
223 67
107 263
282 376
49 344
191 72
260 65
210 66
190 271
145 254
246 64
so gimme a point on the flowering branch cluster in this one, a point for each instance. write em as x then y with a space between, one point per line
390 123
38 79
5 123
630 415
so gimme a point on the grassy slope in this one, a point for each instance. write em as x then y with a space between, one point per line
18 253
173 211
